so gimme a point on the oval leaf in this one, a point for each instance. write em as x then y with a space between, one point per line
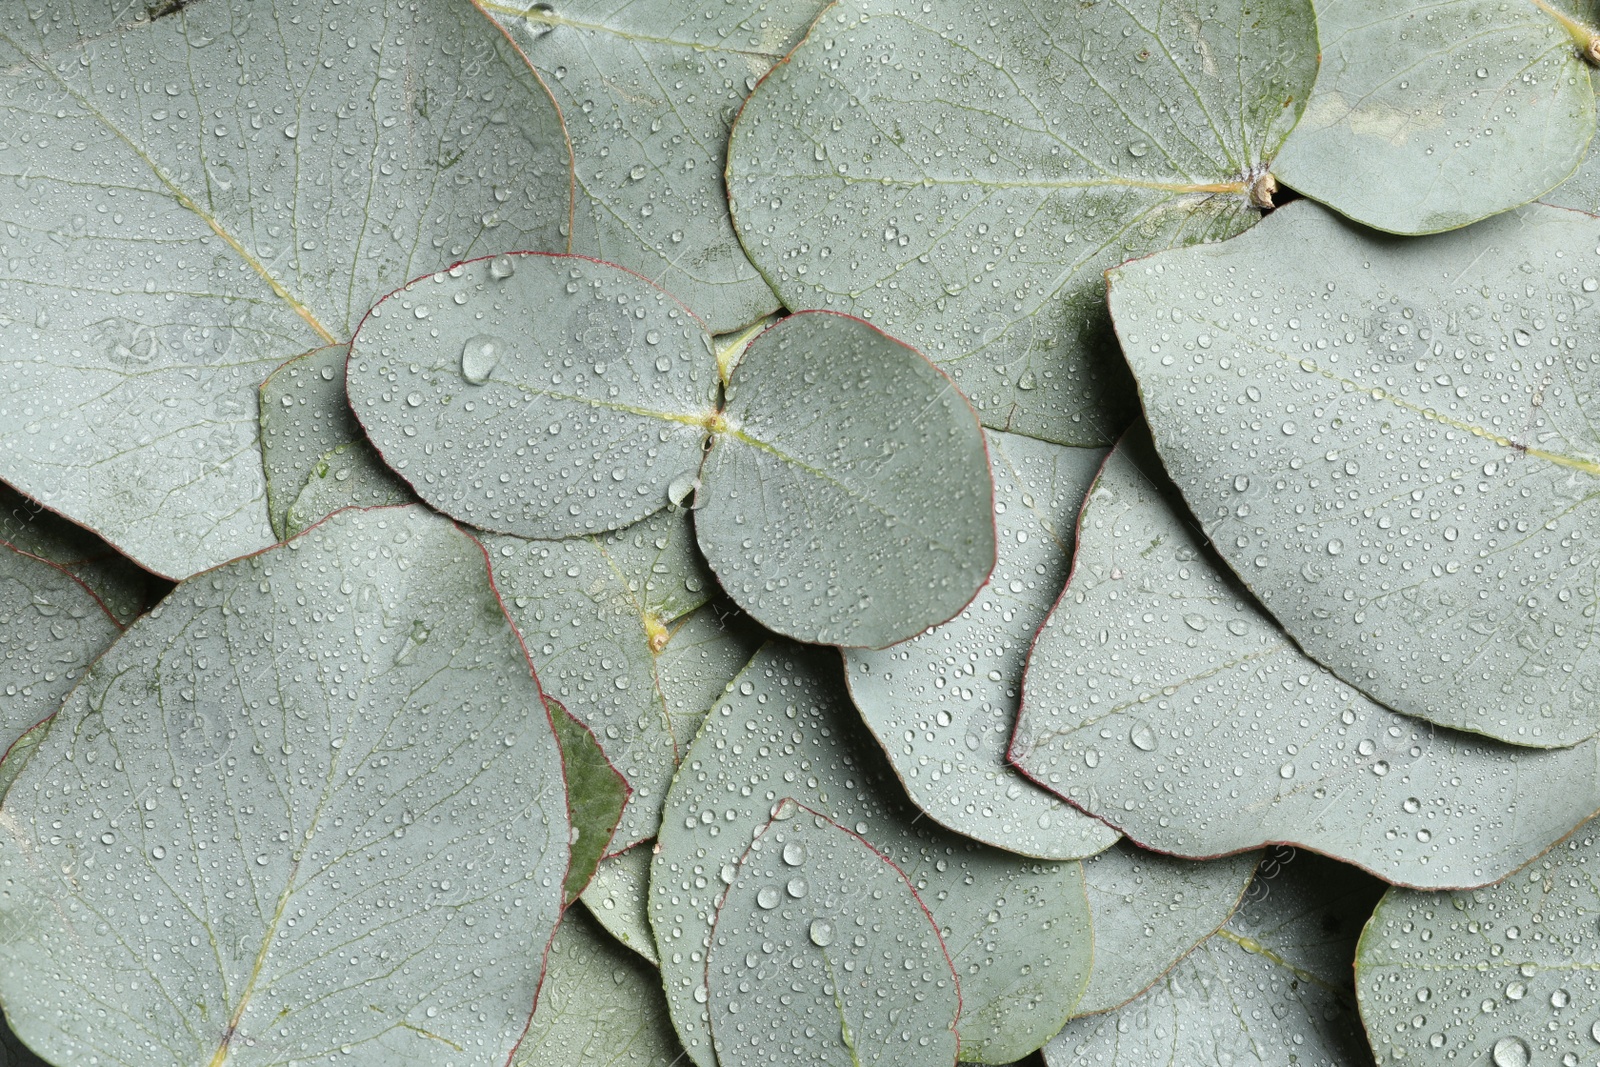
617 898
943 704
309 809
1500 976
1428 117
596 793
1018 928
1272 986
647 90
823 954
863 527
213 191
1157 669
960 174
1389 442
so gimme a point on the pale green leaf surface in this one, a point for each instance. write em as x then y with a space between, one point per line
617 898
1148 911
325 777
351 475
1582 190
823 955
1426 117
1393 444
943 704
51 628
304 416
1502 976
1017 929
599 1006
190 200
120 585
1272 987
648 89
596 793
960 174
1163 699
849 501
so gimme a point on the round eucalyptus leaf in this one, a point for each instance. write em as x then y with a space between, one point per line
195 192
599 1004
960 174
1390 442
617 898
117 582
823 954
596 792
648 90
1273 986
310 808
51 628
1148 911
943 704
863 526
1163 699
1426 117
1503 975
1018 929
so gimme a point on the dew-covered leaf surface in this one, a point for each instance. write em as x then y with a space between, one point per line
849 500
960 174
304 416
1504 975
1148 911
124 589
1392 443
596 793
617 898
51 628
1426 117
1163 699
648 89
599 1006
190 200
1017 929
351 475
943 704
823 954
308 809
1272 987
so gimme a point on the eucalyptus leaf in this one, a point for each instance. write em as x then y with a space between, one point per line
851 461
119 584
959 174
351 475
1503 975
599 1006
310 808
1582 189
1017 929
823 954
1426 117
51 628
304 416
1391 443
1149 911
596 793
192 199
1163 699
617 898
943 704
1273 986
648 89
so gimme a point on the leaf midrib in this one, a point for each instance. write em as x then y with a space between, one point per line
530 13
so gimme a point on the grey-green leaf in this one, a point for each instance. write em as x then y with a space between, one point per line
648 90
1502 975
309 809
120 585
195 198
822 954
51 628
1158 686
1017 928
596 793
1391 442
304 416
617 898
599 1006
943 704
959 174
1582 189
1148 911
1273 986
351 475
1426 117
864 526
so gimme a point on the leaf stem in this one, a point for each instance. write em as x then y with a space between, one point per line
1585 37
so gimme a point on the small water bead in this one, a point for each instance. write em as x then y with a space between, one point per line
822 933
1516 991
794 853
798 888
767 897
1560 999
1511 1052
479 357
502 267
1143 738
